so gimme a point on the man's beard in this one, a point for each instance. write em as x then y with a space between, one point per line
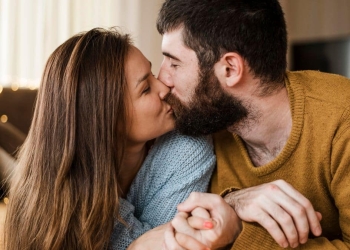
210 110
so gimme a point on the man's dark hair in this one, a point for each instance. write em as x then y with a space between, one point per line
255 29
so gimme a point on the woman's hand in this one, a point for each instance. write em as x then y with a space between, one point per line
205 221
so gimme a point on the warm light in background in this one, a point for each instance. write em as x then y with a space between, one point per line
14 87
0 89
6 200
33 86
3 118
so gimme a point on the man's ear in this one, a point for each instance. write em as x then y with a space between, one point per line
229 69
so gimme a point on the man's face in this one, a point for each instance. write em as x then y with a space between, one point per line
200 104
179 69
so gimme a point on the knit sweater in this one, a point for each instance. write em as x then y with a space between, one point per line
175 166
315 160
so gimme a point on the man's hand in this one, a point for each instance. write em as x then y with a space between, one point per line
284 212
222 228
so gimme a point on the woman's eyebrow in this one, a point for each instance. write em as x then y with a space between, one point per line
143 77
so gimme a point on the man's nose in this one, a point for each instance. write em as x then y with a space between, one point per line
164 76
163 89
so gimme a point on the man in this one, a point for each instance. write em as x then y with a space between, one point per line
225 62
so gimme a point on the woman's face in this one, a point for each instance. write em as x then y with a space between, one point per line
149 116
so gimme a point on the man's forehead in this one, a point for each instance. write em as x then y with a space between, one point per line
173 46
172 38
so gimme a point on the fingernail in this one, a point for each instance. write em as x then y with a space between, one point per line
295 245
318 231
208 225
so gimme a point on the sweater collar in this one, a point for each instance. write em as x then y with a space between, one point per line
297 102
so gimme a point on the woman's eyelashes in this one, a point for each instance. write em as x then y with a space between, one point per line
147 87
146 90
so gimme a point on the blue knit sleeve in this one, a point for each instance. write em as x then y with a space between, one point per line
176 166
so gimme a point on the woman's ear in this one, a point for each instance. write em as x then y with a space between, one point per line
229 69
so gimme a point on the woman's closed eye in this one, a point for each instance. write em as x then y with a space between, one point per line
146 90
147 86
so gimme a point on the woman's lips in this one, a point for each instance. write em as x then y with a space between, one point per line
170 110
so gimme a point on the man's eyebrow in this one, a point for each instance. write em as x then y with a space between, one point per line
143 77
171 56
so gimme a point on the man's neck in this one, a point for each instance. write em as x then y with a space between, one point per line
266 130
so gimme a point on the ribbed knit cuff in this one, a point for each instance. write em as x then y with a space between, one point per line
228 190
252 237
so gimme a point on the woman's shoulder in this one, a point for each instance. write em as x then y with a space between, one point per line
174 139
177 150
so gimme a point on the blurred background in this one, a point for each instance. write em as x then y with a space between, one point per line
319 35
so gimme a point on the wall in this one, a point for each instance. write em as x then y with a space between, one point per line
312 20
30 30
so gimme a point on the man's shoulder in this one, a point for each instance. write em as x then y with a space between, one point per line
316 75
325 87
175 138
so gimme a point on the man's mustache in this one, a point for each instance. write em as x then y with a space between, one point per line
175 104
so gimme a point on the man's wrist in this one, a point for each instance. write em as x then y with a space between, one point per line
229 196
228 191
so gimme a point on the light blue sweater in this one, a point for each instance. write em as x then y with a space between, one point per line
175 166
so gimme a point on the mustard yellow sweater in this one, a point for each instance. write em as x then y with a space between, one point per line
315 160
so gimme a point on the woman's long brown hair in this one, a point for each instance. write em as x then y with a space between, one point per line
64 191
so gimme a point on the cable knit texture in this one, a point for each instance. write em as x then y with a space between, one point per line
315 160
175 166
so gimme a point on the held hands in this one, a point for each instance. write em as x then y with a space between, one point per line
181 239
204 221
284 212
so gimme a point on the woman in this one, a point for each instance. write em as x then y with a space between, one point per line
88 176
